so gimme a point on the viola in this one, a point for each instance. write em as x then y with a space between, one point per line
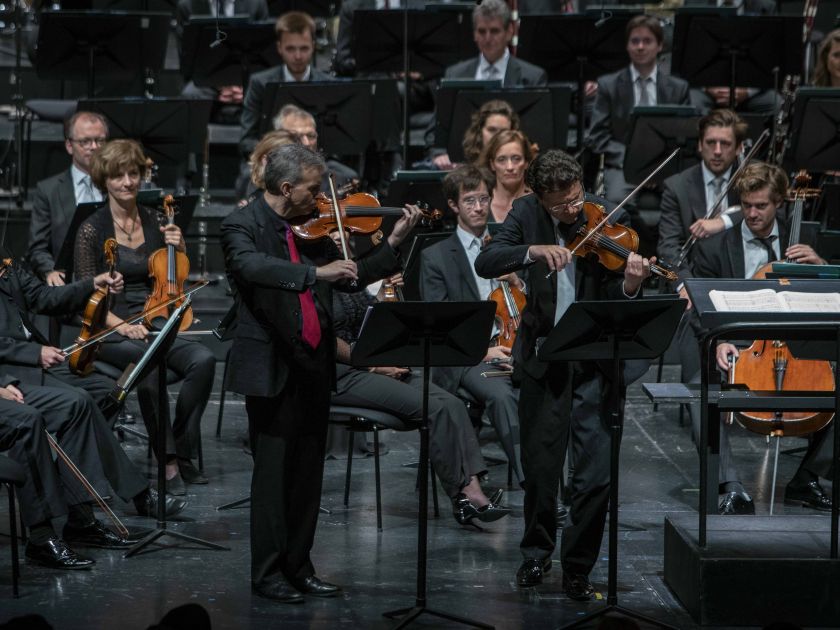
94 318
769 365
611 245
169 269
359 213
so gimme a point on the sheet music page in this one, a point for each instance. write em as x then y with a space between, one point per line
800 302
760 301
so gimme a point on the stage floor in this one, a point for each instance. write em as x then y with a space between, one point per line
470 573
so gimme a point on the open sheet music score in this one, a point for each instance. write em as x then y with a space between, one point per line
770 301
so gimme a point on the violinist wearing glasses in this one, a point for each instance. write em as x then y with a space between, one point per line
559 401
117 169
283 360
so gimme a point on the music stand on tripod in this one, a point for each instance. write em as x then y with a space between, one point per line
653 134
613 330
429 334
736 50
814 132
577 48
92 45
155 357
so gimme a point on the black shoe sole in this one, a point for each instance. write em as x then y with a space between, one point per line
801 503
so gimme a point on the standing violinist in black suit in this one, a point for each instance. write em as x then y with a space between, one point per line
285 329
558 401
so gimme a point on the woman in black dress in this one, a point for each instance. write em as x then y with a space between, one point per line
117 170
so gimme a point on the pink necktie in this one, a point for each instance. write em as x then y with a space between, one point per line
311 332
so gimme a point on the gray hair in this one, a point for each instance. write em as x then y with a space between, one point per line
292 111
287 164
491 9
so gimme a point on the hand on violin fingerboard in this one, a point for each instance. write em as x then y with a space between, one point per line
172 236
402 228
803 254
635 272
115 284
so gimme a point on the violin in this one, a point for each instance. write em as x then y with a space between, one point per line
94 318
360 213
510 302
768 365
610 244
169 269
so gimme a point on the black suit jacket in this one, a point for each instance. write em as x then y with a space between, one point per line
683 202
613 105
267 344
722 255
252 105
529 224
21 293
53 206
518 74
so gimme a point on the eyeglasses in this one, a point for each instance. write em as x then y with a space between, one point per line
569 205
475 202
87 143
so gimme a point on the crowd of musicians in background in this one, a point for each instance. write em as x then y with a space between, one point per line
299 305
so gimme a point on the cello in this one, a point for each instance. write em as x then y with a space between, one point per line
169 269
94 318
769 364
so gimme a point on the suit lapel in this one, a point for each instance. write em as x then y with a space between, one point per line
663 89
67 195
697 194
459 259
735 251
513 74
624 88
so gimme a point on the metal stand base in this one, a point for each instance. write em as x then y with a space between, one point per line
241 503
407 615
160 531
619 611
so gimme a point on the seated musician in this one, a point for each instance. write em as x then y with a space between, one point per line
117 169
447 274
507 155
70 414
56 198
642 83
738 253
559 401
453 446
493 32
827 66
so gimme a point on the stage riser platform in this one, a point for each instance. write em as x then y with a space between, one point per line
755 570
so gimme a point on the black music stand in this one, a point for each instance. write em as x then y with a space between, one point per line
155 358
736 50
411 269
543 114
247 47
64 258
652 135
576 48
172 131
614 330
408 40
428 334
815 132
342 109
315 8
93 45
413 186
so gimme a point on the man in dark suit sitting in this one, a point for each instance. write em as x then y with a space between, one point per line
493 32
738 253
559 400
56 198
640 84
447 274
296 45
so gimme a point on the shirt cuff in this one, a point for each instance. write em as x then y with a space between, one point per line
727 221
627 295
528 260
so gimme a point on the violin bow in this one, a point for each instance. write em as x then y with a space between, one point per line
623 203
716 207
340 223
87 485
133 319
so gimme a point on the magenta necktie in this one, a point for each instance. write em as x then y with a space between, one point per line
311 332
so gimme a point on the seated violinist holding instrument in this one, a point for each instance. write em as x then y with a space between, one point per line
447 274
750 245
117 170
559 401
454 450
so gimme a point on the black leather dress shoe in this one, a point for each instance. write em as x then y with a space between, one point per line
736 503
278 590
531 572
190 473
97 535
464 511
55 554
316 587
809 494
147 504
577 586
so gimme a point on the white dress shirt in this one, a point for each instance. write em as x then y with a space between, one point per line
83 187
755 255
651 85
709 187
500 66
290 78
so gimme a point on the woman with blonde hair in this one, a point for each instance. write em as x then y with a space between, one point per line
827 67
